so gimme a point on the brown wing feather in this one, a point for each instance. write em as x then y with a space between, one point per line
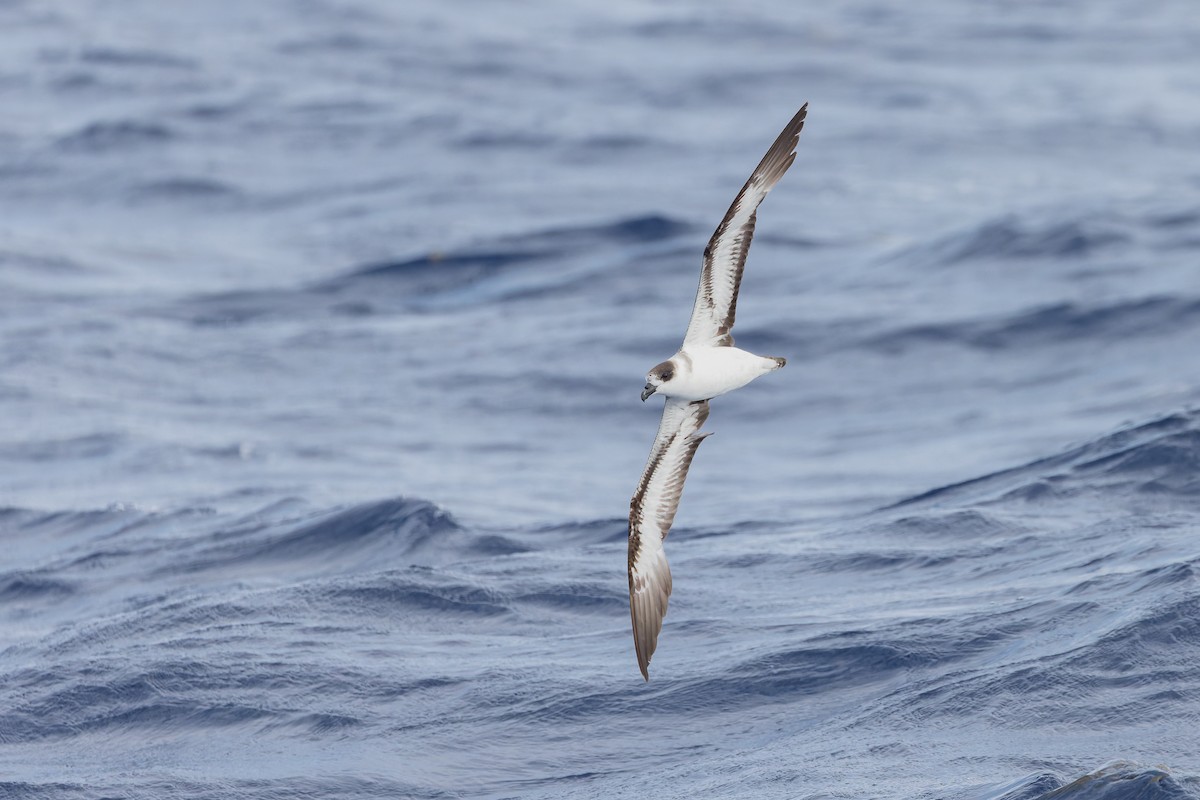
651 513
725 256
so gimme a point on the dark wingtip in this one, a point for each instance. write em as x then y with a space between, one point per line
782 152
797 122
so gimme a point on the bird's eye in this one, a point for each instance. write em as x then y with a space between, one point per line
666 376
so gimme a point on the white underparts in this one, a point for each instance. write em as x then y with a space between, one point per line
705 372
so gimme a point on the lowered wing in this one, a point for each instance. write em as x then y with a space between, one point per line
651 512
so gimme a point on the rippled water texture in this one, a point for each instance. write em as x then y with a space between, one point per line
322 328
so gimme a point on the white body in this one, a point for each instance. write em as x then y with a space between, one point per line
706 372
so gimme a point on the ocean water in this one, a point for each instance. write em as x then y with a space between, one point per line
322 329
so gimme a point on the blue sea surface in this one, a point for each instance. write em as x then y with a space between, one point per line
322 329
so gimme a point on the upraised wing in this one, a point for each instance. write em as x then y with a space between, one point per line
651 512
725 255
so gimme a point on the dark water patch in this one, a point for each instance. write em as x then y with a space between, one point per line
634 230
839 662
436 272
43 263
237 308
112 697
1170 463
137 59
879 562
535 246
603 146
97 523
417 284
337 43
79 81
413 591
442 272
213 111
1123 781
1133 583
1027 788
1023 32
513 267
387 532
96 445
583 533
408 523
1159 457
1168 634
153 617
576 597
18 587
1071 673
1118 781
1010 239
318 725
135 787
183 189
134 720
116 135
495 545
168 716
526 704
800 672
1048 326
324 111
715 29
971 524
1173 220
26 790
505 140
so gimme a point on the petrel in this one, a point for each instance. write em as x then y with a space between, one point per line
707 365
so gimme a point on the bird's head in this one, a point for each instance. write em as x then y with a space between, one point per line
658 377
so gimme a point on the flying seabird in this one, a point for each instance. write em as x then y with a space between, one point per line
707 365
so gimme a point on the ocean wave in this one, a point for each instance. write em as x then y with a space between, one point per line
1063 662
441 273
184 188
136 60
143 787
359 538
514 267
1053 325
1154 649
1160 457
113 135
415 591
1118 781
1010 238
575 596
104 696
24 586
96 445
1110 233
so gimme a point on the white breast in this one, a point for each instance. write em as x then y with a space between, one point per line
712 371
